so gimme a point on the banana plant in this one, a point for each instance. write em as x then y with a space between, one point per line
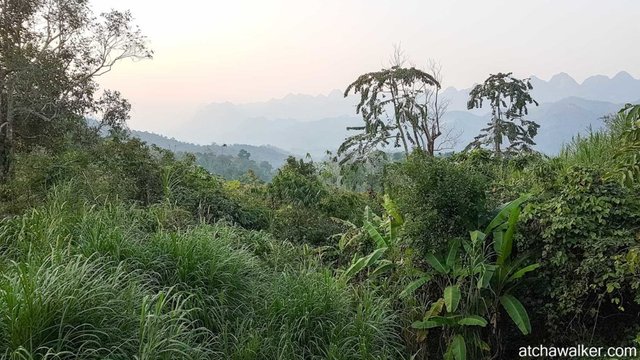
384 231
445 314
506 271
483 274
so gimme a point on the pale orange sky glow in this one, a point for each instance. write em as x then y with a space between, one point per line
244 51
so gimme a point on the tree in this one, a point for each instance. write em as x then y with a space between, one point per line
244 154
397 105
508 98
51 51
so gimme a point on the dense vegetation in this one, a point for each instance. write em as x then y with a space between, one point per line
111 248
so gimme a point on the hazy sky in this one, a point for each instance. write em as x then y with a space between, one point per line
244 51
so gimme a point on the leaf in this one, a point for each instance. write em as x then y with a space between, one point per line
457 349
355 267
414 285
436 309
384 267
506 244
517 313
374 256
427 324
473 320
375 235
477 236
453 253
448 320
452 297
486 275
392 209
436 264
482 345
503 214
520 273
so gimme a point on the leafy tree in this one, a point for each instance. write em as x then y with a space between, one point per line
50 53
508 98
244 154
297 183
234 167
395 106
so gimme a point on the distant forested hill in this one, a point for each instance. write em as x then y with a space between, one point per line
270 154
231 161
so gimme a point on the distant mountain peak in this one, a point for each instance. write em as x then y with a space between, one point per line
563 78
336 93
596 79
623 75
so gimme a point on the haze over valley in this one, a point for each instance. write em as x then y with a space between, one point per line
300 124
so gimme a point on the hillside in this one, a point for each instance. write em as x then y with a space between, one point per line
270 154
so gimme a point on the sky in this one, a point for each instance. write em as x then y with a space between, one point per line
256 50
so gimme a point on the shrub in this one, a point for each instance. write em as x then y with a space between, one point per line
304 225
441 200
296 183
578 229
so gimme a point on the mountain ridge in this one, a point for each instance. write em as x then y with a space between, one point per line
299 123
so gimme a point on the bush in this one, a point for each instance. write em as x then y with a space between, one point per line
304 225
296 183
578 229
441 199
304 206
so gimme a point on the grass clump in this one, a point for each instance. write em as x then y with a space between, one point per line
92 309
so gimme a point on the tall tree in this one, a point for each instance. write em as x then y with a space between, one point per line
508 98
51 51
397 106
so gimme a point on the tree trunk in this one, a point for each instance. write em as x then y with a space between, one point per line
497 132
7 144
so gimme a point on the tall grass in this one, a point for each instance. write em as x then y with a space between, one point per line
593 150
97 280
92 309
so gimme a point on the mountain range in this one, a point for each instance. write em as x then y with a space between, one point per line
302 124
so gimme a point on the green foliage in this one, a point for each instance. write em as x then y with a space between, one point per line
305 207
48 77
296 183
473 283
440 199
362 176
384 231
508 98
395 107
88 308
627 158
235 167
111 286
577 229
303 225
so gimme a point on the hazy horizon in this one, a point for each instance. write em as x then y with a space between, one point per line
249 51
